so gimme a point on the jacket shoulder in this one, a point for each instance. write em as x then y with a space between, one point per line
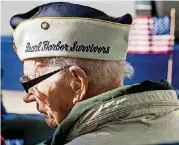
165 133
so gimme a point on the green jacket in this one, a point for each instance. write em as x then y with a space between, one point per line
144 113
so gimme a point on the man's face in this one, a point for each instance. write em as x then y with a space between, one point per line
54 96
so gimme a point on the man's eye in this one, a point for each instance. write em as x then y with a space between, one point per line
24 79
31 77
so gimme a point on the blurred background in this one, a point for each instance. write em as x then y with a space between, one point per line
150 63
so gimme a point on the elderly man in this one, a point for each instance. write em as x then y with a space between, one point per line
74 66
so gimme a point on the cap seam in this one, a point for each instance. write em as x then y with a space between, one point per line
75 18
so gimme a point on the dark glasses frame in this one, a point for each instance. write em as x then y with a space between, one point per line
27 83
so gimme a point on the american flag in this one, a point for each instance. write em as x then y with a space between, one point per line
150 35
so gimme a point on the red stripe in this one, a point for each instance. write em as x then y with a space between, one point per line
147 24
149 52
149 39
145 45
143 16
142 29
150 34
140 35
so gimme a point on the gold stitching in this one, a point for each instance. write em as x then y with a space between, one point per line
74 18
14 46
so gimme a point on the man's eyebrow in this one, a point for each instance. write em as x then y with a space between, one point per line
43 73
36 74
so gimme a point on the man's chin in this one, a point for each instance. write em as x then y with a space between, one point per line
51 124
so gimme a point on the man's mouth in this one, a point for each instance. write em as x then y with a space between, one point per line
44 114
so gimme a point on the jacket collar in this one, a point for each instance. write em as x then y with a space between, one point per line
66 128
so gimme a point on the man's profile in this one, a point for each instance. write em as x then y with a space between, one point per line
74 67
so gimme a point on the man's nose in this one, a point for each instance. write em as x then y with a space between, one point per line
29 98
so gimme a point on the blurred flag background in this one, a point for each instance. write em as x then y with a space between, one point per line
150 35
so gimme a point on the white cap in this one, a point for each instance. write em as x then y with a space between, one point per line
71 37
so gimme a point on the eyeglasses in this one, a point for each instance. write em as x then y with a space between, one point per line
28 83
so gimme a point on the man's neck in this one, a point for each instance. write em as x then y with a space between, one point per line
94 90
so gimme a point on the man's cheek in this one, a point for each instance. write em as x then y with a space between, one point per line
41 97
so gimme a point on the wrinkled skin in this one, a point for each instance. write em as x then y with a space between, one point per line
56 95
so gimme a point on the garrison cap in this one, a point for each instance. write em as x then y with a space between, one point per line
70 30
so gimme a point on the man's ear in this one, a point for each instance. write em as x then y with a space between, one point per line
79 83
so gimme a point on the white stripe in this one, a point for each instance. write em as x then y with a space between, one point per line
164 37
139 48
162 42
143 21
139 42
139 37
156 48
143 42
153 37
146 32
148 48
139 26
85 31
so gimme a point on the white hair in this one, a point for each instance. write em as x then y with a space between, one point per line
98 71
